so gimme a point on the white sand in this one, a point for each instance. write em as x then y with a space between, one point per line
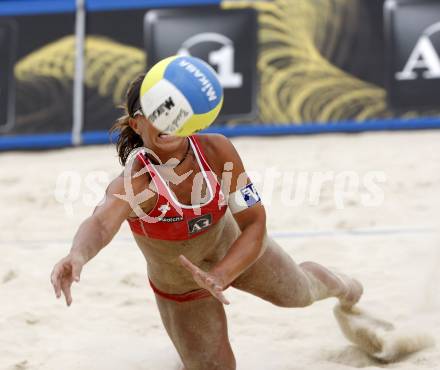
113 322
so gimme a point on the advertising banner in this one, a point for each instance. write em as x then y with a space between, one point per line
325 62
413 53
312 66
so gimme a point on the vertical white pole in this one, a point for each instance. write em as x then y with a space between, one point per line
78 80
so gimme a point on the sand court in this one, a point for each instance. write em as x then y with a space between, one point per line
393 247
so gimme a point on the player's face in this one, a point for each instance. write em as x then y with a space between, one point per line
155 139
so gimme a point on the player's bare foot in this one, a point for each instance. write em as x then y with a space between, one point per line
353 293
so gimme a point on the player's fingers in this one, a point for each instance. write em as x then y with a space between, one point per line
188 264
56 280
76 271
213 283
200 278
65 286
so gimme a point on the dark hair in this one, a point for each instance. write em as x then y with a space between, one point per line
127 138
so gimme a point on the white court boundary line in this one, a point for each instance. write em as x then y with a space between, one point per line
364 232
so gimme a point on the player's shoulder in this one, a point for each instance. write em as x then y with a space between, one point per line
218 151
215 144
132 179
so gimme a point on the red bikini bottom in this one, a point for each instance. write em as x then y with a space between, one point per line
184 297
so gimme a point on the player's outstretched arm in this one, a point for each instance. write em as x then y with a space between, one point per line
93 234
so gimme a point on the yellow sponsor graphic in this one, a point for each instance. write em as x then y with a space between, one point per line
110 66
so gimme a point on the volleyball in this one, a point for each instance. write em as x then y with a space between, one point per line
181 95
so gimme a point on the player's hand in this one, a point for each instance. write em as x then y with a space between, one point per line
205 280
64 274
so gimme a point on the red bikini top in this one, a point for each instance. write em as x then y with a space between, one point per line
171 220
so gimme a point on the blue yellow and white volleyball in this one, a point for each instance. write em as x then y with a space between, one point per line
181 95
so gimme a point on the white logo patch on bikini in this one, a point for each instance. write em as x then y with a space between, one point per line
164 208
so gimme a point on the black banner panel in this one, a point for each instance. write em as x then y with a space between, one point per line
114 56
413 50
8 47
226 39
37 65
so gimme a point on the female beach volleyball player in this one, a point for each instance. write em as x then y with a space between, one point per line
199 238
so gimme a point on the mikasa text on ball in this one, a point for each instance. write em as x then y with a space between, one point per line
181 95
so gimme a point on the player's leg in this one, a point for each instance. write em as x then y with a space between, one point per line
276 278
198 330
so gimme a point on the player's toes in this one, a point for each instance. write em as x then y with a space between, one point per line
355 291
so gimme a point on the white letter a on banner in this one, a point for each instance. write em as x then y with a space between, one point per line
424 56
